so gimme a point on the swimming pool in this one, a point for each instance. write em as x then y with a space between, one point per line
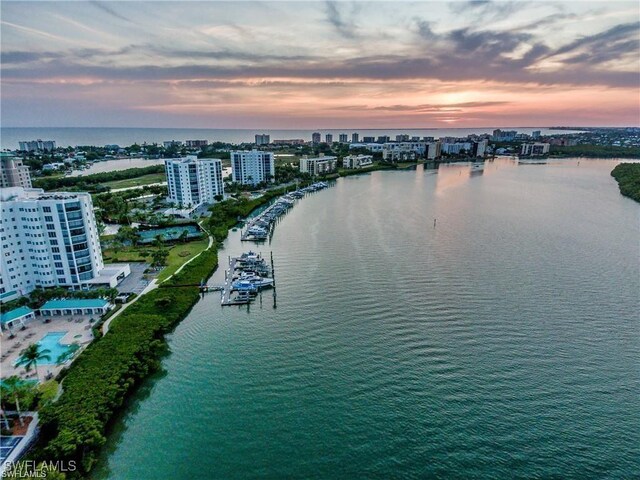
51 341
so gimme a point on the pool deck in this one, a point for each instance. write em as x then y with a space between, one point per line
10 348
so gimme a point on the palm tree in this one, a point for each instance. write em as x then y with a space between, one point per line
159 239
31 355
13 387
4 418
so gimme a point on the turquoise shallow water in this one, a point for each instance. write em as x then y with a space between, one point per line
503 343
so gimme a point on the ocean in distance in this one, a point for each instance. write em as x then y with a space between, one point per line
99 136
501 344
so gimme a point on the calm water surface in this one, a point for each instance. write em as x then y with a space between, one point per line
503 343
120 164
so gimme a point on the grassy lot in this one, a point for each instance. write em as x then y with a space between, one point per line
138 181
178 254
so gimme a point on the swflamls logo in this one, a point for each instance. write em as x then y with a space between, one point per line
31 469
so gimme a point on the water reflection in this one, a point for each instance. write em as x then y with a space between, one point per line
122 164
452 175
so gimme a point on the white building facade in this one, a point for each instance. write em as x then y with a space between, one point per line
534 149
318 165
252 167
38 145
193 181
262 139
13 173
403 151
48 240
357 161
372 147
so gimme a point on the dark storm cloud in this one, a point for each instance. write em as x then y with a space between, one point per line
609 45
19 56
24 56
374 68
461 54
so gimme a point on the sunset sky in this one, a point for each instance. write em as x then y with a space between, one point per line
320 64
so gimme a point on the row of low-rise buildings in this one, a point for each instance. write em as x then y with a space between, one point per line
403 151
513 135
318 165
316 137
462 146
529 149
357 161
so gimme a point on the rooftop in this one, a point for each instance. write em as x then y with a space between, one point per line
74 303
188 159
14 314
21 193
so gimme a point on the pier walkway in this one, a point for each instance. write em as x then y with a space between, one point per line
226 292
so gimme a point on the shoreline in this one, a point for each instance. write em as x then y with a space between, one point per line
88 420
76 427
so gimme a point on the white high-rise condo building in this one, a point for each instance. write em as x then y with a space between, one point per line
252 167
263 139
50 240
13 173
38 146
193 181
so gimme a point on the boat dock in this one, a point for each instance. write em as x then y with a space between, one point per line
245 279
260 228
226 292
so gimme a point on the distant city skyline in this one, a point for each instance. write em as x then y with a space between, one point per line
332 65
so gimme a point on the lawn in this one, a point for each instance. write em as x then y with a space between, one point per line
137 181
178 254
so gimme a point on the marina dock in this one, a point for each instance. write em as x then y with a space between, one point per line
226 292
260 228
247 276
